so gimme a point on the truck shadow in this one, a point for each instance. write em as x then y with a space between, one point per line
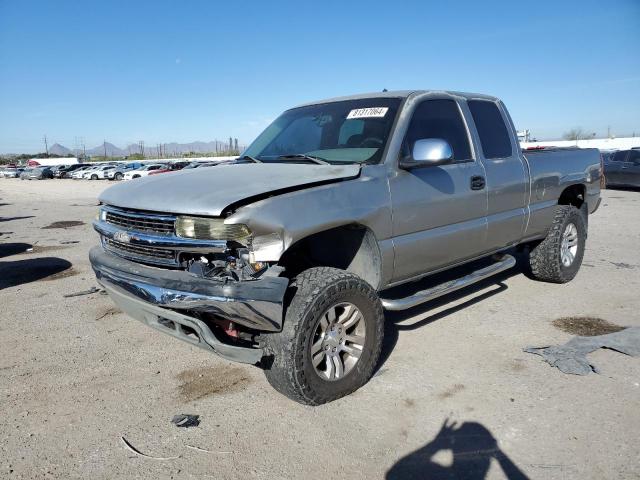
472 447
395 321
14 273
8 249
20 272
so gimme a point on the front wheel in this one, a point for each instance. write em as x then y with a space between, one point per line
118 176
331 339
558 257
94 177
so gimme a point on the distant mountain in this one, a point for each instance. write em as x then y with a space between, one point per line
57 149
110 148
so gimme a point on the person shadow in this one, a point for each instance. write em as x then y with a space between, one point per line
472 447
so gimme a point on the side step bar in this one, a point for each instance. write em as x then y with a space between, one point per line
504 263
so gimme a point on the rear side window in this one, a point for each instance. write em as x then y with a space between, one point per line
493 133
634 157
619 156
439 119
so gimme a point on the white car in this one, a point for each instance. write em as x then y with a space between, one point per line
143 172
77 174
99 173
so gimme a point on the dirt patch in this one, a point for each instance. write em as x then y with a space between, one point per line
201 382
517 365
64 274
586 326
451 391
107 312
64 224
409 402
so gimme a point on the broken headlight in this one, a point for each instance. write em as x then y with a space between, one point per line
210 229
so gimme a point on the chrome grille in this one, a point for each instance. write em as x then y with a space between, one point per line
140 222
160 256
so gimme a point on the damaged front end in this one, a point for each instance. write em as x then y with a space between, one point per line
172 273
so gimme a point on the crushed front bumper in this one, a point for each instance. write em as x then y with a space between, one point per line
152 295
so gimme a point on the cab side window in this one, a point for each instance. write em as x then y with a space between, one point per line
439 119
493 133
634 157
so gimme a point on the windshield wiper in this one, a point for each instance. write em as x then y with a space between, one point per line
304 156
249 157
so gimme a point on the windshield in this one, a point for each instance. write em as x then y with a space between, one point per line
351 131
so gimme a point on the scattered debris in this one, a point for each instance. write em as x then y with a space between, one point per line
83 292
571 357
623 265
138 452
64 224
108 312
204 450
586 326
69 242
185 420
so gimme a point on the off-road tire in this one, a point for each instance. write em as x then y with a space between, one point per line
545 259
314 291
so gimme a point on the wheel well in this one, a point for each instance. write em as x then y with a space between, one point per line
353 248
572 195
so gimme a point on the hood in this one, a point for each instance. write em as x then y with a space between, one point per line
208 191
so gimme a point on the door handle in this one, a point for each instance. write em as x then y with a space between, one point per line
477 182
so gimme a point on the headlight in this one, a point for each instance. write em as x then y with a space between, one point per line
101 216
210 229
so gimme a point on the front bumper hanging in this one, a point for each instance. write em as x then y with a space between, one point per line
152 295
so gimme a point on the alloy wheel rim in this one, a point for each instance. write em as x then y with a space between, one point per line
569 245
338 341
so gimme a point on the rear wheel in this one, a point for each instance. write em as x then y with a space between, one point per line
331 339
118 176
94 177
558 257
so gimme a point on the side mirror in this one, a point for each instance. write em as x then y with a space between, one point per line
428 152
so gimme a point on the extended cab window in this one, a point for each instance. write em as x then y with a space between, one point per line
619 156
439 119
634 157
494 136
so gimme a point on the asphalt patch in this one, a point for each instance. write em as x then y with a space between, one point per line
64 224
586 326
201 382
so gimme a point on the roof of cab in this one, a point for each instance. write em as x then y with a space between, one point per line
398 94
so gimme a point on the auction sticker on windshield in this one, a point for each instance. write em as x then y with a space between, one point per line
371 112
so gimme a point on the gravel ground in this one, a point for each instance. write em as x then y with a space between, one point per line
455 396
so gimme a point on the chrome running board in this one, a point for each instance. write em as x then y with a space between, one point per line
504 263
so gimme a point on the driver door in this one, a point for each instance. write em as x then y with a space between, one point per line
439 212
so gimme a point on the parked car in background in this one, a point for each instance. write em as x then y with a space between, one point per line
118 172
623 169
65 171
87 173
143 171
199 165
79 172
101 172
11 172
40 173
171 167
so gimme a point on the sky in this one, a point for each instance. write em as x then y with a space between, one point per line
163 71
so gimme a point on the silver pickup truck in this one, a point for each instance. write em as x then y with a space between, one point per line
285 258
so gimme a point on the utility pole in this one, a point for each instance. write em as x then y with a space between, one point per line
104 145
141 144
608 131
46 146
